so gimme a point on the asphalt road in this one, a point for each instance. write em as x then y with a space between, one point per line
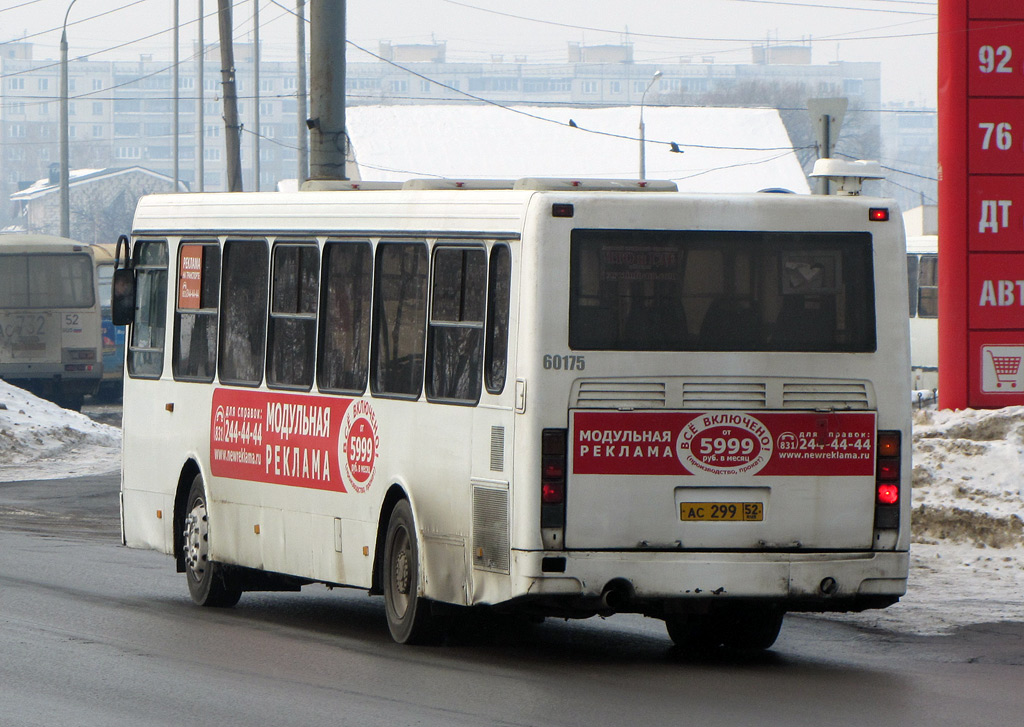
92 633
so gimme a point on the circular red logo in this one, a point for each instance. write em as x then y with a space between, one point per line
724 443
361 450
725 447
359 444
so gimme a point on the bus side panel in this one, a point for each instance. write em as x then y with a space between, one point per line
163 429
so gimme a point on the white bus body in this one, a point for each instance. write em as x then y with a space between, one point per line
692 407
49 317
922 281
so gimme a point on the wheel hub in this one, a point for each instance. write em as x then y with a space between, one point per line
197 544
402 573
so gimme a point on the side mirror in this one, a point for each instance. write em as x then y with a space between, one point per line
122 304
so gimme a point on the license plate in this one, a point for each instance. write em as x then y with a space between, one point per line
721 511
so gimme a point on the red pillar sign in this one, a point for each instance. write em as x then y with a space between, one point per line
981 203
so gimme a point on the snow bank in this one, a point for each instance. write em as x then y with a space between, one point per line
967 552
40 440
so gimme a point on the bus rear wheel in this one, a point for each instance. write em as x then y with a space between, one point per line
752 627
209 583
409 616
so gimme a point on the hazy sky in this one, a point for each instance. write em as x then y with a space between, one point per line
899 33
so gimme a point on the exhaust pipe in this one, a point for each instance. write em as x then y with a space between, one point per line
618 594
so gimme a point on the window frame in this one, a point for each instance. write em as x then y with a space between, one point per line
491 333
378 318
361 334
436 326
154 270
205 311
228 298
281 316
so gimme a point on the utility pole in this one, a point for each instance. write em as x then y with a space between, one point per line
256 95
328 147
200 112
300 93
827 117
177 97
232 129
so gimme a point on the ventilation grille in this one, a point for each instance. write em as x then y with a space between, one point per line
621 395
497 449
844 395
724 395
490 529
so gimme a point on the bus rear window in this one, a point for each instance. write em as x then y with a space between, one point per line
46 281
654 290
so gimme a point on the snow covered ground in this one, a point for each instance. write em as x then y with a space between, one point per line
967 559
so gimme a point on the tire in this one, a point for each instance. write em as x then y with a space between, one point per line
209 583
696 633
753 628
409 616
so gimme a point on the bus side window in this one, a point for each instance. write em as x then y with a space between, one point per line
195 314
912 264
343 361
498 288
455 345
399 315
291 339
146 351
243 312
928 291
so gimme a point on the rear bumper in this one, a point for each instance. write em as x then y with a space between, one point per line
646 582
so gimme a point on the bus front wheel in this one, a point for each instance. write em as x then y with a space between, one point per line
409 615
209 583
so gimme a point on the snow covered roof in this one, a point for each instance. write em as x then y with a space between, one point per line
723 149
44 186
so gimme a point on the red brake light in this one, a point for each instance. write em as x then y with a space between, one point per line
888 494
553 492
879 214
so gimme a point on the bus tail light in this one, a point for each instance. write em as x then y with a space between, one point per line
552 478
887 481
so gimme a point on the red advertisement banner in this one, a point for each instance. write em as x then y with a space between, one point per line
995 134
996 291
190 277
327 443
995 216
995 51
729 443
997 373
995 9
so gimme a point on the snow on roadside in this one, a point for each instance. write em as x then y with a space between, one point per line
41 441
967 551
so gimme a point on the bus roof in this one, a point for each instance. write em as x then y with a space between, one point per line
9 242
440 206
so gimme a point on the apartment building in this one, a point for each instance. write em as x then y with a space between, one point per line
121 113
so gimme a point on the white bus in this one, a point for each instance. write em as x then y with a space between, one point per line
113 336
923 295
565 398
49 317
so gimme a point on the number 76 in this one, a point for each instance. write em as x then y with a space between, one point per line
1004 139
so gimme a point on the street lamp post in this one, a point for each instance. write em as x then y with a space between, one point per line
65 215
643 154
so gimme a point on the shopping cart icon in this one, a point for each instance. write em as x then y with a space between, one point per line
1003 372
1006 369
